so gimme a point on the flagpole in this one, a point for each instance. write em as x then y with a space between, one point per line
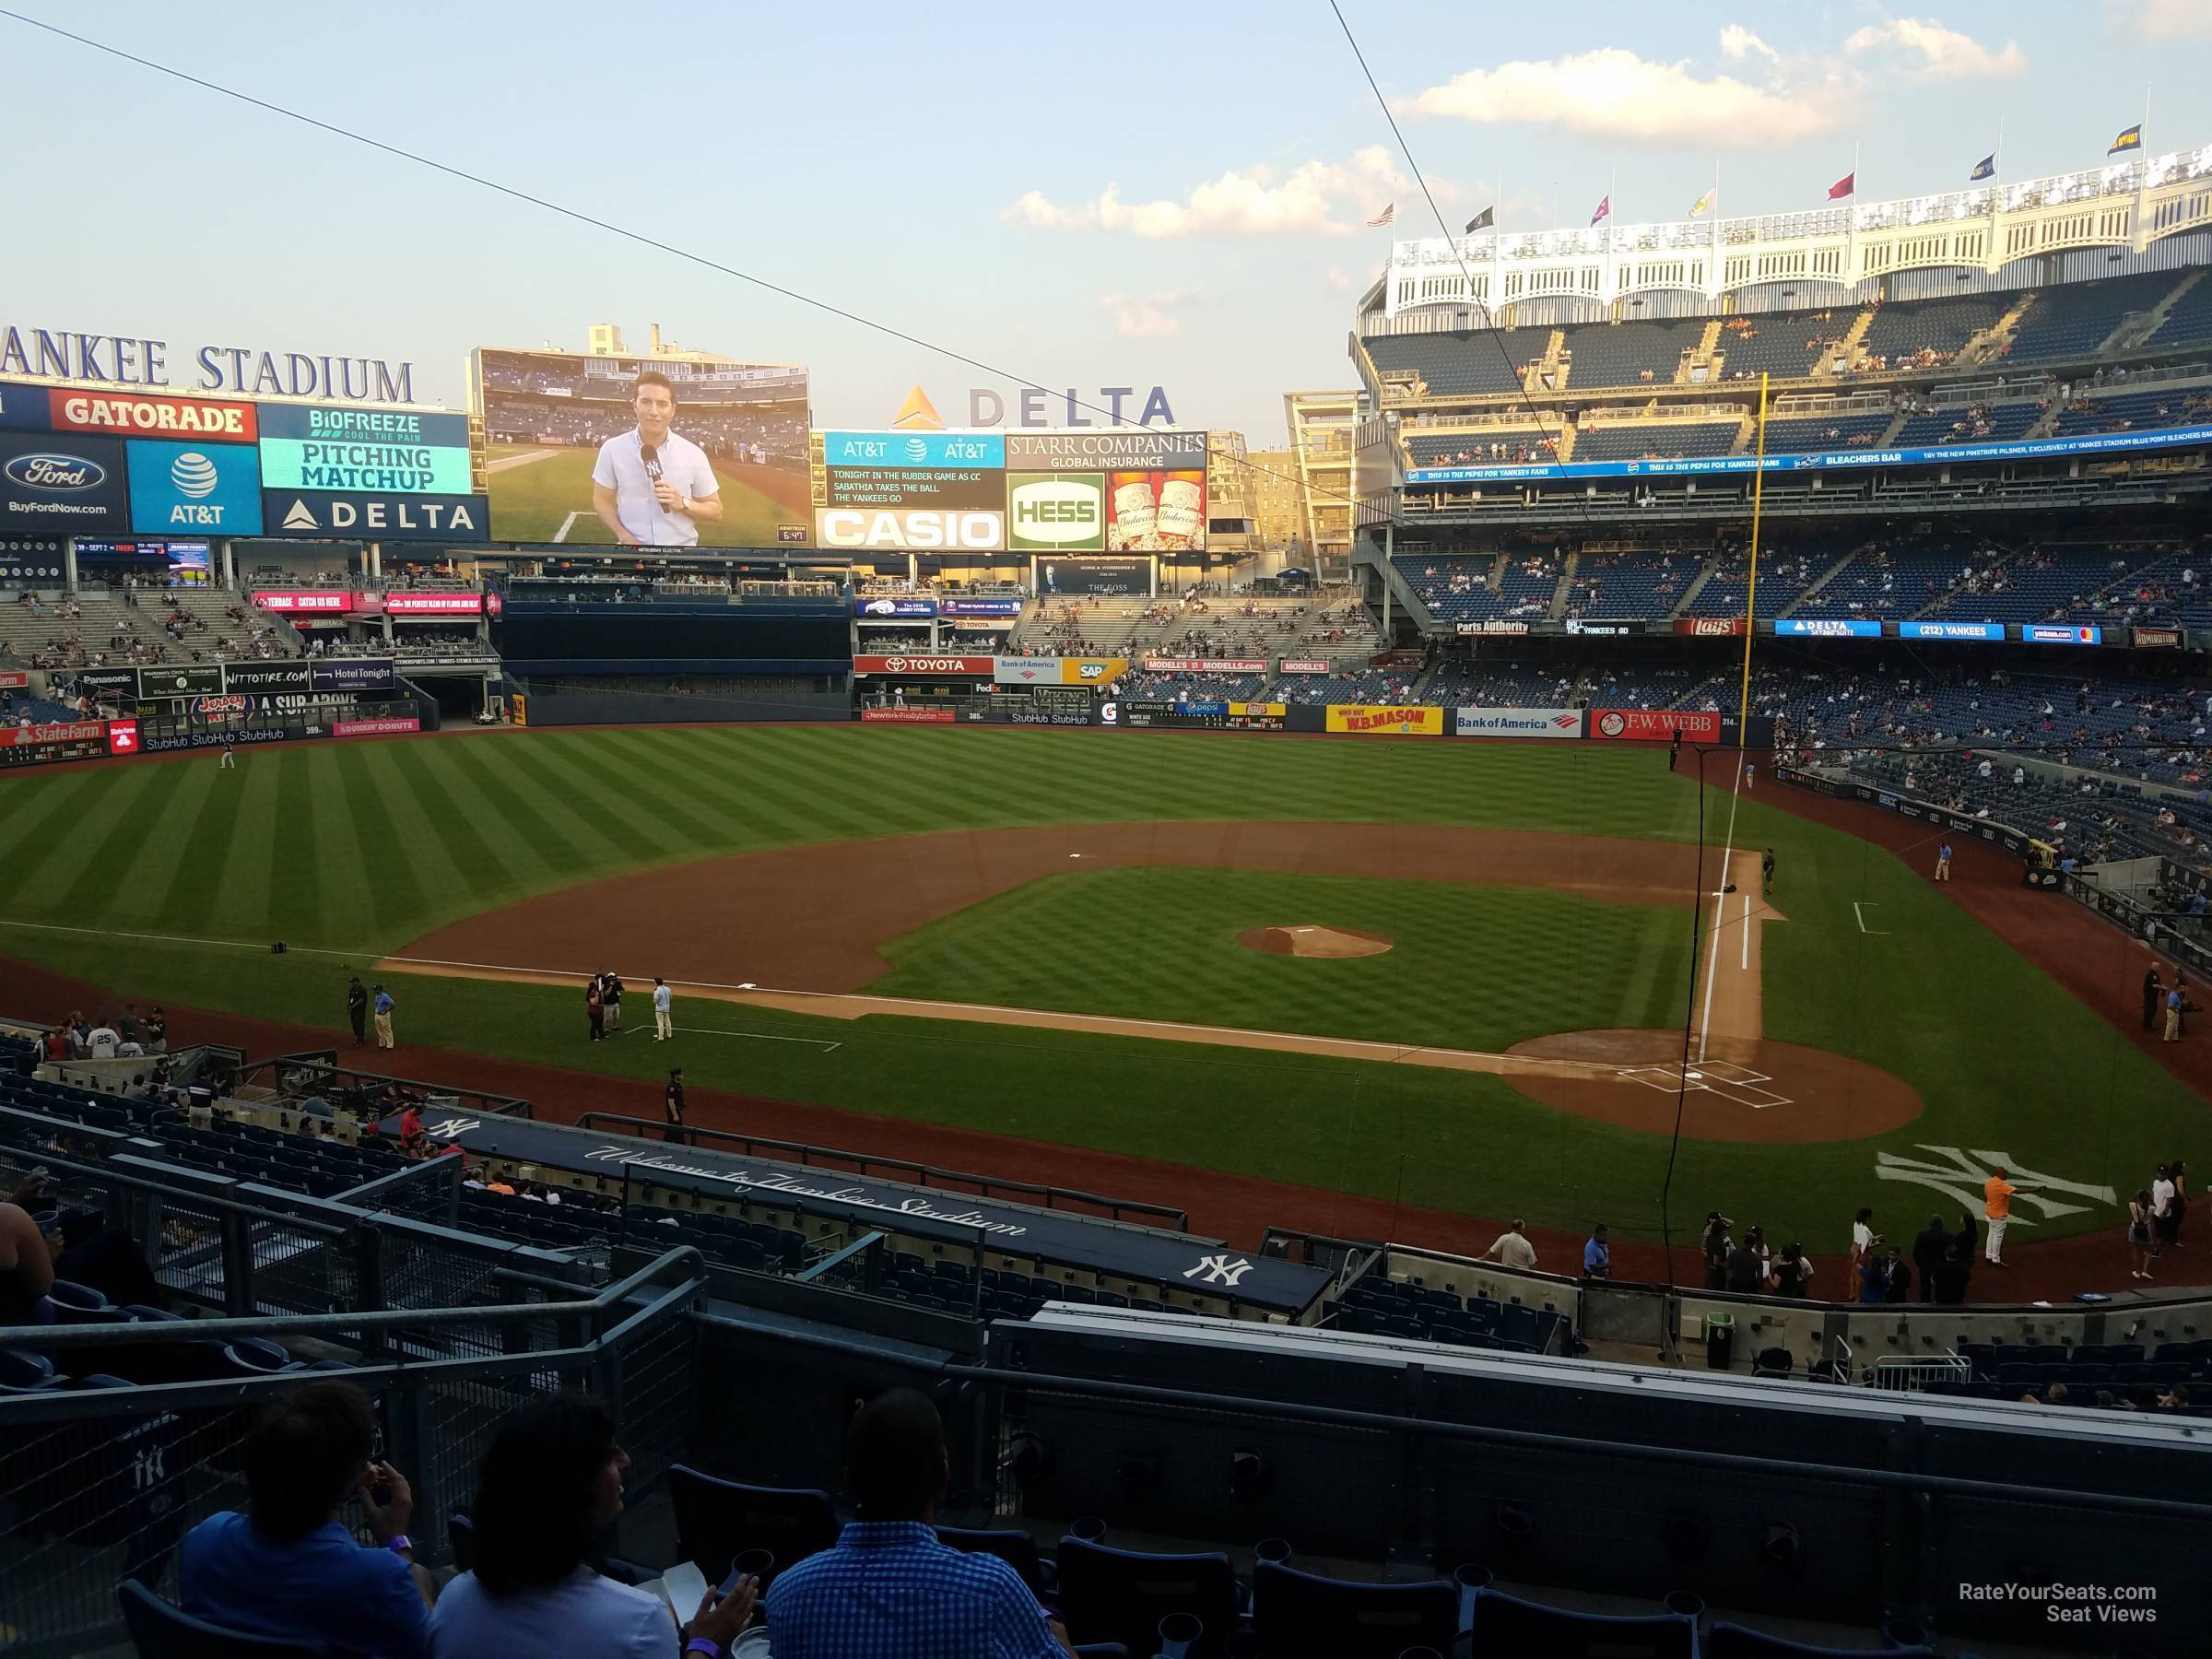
1996 173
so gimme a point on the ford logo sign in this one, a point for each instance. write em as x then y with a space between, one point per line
56 472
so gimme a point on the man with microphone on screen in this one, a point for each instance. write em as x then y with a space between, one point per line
650 487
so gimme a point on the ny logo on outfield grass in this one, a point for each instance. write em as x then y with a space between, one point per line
1220 1269
1961 1178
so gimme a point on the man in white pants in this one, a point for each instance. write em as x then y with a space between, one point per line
662 1027
1996 1194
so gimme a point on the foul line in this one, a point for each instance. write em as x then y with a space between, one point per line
756 1036
1882 933
567 525
1719 911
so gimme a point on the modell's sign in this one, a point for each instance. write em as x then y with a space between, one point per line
1305 665
923 664
1710 627
1204 665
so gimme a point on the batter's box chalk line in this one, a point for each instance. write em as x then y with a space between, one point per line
1738 1084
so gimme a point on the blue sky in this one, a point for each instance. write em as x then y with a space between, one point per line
1175 198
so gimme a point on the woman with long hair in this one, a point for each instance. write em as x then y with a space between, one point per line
2139 1215
549 1491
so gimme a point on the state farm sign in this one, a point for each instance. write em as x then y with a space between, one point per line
921 664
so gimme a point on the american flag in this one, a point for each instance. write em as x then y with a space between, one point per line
1389 212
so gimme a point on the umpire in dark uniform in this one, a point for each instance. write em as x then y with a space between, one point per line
674 1100
357 1011
2151 998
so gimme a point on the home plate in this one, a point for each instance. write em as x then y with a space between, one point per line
1738 1084
1690 1077
1075 855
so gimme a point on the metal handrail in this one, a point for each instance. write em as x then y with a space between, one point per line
139 1335
986 1186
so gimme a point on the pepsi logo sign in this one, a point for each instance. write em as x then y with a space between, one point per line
52 471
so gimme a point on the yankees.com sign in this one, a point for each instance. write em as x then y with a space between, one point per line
928 529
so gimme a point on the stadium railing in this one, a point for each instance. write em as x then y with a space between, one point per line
99 1483
281 1080
899 1168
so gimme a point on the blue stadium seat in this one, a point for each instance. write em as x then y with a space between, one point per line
1303 1616
24 1373
1120 1595
1733 1641
161 1631
717 1520
1505 1627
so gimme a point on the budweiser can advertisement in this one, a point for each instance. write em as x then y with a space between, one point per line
1134 527
1181 519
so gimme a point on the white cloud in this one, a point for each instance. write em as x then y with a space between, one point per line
1338 281
1612 93
1944 53
1317 198
1738 44
2174 20
1150 318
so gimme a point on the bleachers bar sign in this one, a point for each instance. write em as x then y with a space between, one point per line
1361 720
2159 639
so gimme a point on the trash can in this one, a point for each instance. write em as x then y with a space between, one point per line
1720 1340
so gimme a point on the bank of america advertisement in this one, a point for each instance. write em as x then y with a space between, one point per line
647 452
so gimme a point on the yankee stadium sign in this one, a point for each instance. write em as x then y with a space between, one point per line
131 360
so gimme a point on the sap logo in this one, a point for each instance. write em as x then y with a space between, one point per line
56 472
1090 671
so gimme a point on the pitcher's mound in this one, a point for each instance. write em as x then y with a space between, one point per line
1313 941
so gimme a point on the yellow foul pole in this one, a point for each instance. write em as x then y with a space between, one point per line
1758 480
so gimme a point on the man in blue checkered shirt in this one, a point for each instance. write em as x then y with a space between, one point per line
889 1590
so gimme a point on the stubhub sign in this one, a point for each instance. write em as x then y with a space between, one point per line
193 488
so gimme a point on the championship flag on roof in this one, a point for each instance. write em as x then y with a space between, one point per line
1843 186
1482 222
1985 168
1700 204
1604 210
1389 212
2132 138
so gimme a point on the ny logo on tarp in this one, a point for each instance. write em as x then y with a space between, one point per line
453 1128
1220 1269
1961 1180
148 1468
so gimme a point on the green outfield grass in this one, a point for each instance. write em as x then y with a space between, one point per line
355 849
1454 977
531 502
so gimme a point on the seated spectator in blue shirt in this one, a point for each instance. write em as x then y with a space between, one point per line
889 1589
549 1490
1597 1256
287 1567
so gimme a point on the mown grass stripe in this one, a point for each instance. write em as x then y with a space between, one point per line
244 899
784 820
642 814
602 835
393 779
480 866
101 843
43 831
387 865
521 805
673 791
349 911
195 896
294 873
461 774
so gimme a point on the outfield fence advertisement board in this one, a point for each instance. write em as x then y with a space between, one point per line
1305 665
1654 725
906 716
915 662
1058 671
1393 722
1205 666
1978 633
1517 723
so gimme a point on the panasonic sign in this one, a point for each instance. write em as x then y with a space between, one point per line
1062 512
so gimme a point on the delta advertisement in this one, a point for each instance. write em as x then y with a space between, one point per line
582 448
1362 720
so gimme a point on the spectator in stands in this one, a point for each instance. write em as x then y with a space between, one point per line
157 1031
889 1589
1927 1255
383 1019
26 1259
357 1009
550 1488
289 1568
104 1040
410 1130
1597 1256
1511 1249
